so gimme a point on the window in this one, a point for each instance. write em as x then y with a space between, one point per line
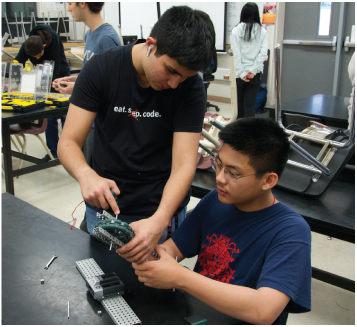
325 19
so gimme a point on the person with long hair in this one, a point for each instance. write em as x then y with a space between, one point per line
249 42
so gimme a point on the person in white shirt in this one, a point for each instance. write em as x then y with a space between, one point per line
249 42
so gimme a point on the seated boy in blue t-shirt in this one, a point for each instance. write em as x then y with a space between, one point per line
253 251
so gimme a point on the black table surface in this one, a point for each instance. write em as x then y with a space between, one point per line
44 112
29 239
319 105
332 213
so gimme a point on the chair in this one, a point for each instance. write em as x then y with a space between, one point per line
29 128
209 77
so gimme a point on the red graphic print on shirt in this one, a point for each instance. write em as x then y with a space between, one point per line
215 258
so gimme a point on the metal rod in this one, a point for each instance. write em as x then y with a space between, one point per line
64 25
316 139
306 167
17 29
310 43
210 138
10 55
58 23
206 149
216 123
337 71
8 27
23 31
306 155
75 55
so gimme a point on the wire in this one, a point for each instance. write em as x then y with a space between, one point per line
75 219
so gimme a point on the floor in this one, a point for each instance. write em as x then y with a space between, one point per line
55 192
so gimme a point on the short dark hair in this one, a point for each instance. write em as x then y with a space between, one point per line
34 45
94 7
186 35
262 140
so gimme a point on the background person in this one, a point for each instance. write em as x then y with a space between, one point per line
45 44
254 252
101 36
249 41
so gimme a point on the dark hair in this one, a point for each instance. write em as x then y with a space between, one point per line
94 7
262 140
250 16
34 45
186 35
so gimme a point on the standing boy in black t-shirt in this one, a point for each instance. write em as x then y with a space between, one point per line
148 104
45 44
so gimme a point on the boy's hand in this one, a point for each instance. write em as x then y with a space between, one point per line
96 191
67 84
64 87
147 234
163 273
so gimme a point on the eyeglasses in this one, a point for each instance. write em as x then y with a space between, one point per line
228 174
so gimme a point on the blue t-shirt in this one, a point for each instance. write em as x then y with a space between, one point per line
103 38
266 248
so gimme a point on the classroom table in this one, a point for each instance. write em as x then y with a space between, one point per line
332 213
8 118
332 110
29 239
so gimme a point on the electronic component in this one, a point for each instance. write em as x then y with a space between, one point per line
105 286
115 233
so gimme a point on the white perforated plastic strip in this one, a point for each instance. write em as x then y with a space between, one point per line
89 268
120 311
116 307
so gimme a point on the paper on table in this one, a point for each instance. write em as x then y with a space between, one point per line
28 83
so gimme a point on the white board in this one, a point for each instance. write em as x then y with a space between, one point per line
134 14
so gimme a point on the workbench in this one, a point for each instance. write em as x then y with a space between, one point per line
30 237
332 110
9 118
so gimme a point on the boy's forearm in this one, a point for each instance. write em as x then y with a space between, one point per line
240 302
174 192
72 159
171 248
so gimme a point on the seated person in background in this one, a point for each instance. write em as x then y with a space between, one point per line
45 44
253 251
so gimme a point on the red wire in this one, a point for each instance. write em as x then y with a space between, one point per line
75 219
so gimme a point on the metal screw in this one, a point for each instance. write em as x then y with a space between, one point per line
329 238
99 313
42 281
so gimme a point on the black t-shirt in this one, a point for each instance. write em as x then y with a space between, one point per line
134 126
